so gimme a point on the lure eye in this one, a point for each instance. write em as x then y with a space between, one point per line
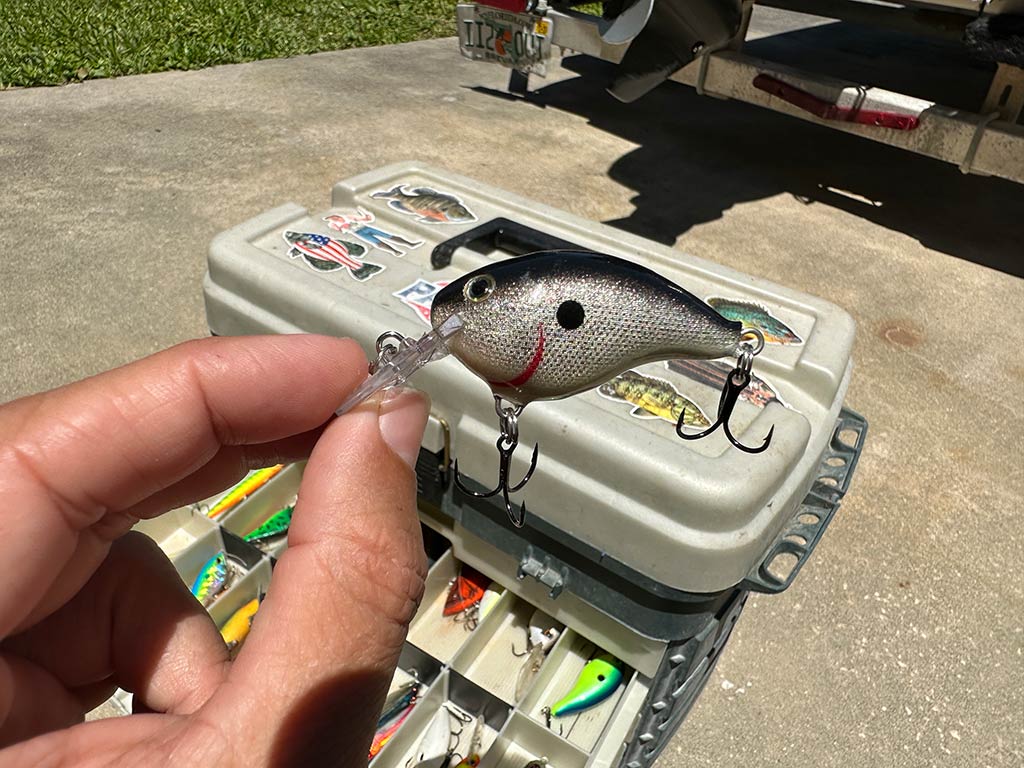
570 315
479 288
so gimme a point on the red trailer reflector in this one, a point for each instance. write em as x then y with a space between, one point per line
808 102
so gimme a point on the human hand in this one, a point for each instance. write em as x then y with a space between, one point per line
87 606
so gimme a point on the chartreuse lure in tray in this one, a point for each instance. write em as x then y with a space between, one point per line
275 525
243 490
598 680
212 579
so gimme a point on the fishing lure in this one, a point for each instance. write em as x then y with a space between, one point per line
541 635
466 591
435 748
383 735
539 763
598 680
244 489
212 579
397 701
551 324
236 628
275 525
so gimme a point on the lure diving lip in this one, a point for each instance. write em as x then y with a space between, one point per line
598 680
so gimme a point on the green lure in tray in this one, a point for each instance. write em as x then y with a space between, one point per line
598 680
275 525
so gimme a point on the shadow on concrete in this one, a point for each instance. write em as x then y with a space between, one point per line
698 156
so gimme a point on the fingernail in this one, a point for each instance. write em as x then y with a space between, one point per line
403 417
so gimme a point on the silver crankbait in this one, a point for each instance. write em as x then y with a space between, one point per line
552 324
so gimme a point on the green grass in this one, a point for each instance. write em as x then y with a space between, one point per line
49 42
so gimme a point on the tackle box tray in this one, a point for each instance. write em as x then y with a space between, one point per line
636 542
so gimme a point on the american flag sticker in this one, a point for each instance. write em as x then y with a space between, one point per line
328 254
420 295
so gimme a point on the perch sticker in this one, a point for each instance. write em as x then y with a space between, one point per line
326 254
653 398
420 295
427 205
758 316
713 373
358 224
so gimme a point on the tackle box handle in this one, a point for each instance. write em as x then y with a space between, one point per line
500 234
801 534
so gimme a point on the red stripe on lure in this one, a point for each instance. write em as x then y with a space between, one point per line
383 736
531 367
466 591
240 492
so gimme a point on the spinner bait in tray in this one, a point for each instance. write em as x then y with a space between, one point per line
598 680
551 324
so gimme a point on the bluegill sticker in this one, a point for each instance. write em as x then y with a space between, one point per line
359 223
328 254
428 205
714 373
419 296
653 398
755 315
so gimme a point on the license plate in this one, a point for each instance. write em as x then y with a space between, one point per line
516 40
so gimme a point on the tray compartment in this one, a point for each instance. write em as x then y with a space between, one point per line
524 740
178 530
487 658
439 635
559 673
279 492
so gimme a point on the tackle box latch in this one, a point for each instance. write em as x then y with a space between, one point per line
543 571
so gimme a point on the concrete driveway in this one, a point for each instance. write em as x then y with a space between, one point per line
901 642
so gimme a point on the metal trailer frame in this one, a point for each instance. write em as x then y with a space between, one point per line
990 143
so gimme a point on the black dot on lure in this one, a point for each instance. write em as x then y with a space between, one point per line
570 315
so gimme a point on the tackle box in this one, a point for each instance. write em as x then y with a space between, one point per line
636 543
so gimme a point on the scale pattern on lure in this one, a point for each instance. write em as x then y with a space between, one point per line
598 680
243 490
654 398
275 525
212 579
757 315
555 323
236 628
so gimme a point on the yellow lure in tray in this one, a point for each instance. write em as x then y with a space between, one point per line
599 679
236 628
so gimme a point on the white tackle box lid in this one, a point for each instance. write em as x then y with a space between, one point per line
613 482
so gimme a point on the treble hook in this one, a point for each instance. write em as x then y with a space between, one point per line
506 444
735 383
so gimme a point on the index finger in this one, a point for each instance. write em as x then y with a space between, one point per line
78 455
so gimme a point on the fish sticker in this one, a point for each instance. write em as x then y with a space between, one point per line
252 483
275 525
428 205
236 628
598 680
751 313
653 398
212 579
328 254
466 591
359 224
715 373
419 296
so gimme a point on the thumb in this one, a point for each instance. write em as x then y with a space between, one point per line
310 682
